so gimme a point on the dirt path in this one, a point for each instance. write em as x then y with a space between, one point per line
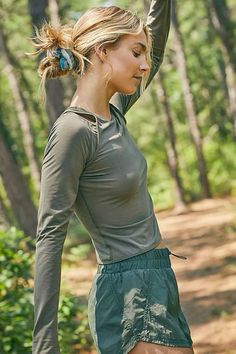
207 279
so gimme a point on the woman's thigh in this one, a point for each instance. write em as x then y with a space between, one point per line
152 348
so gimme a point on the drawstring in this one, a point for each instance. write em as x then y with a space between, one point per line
181 257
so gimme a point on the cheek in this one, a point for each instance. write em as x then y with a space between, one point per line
123 65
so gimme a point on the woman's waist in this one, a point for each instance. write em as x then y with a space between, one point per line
161 244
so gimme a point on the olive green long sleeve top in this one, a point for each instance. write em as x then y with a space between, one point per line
93 168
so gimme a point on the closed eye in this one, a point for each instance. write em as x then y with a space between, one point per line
136 54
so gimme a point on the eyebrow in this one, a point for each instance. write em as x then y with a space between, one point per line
142 45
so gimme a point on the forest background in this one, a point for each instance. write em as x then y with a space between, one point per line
185 125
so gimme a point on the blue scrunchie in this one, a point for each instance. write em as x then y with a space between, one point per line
66 59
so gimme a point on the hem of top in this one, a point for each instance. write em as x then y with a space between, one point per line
136 254
178 343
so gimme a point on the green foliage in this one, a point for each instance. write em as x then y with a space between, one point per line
78 243
77 234
222 171
206 76
206 73
73 325
16 302
16 305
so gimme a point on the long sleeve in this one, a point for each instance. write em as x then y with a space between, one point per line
64 159
158 21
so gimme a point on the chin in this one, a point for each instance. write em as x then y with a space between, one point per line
128 91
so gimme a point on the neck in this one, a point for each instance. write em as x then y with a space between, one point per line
92 95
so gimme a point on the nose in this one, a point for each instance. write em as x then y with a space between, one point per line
144 67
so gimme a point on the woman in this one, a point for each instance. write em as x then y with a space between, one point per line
92 167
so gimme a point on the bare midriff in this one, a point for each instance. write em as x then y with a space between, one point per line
161 244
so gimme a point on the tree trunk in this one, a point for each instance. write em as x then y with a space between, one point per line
54 13
220 19
189 105
54 87
17 191
21 113
170 142
4 223
223 25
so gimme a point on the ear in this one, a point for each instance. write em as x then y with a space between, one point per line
101 52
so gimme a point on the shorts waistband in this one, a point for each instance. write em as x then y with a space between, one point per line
154 258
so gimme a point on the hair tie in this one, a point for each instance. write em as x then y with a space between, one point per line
66 58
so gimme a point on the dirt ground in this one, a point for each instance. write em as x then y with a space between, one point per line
206 235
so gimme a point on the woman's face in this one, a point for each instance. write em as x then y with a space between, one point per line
128 62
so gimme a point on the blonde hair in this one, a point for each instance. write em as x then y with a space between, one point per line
100 26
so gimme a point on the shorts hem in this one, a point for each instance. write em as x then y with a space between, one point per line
156 340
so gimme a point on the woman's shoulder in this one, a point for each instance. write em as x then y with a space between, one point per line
72 122
71 135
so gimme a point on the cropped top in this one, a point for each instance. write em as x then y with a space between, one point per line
93 168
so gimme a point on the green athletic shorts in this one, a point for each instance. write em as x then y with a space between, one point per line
136 299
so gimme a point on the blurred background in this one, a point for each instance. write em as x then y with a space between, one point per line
185 125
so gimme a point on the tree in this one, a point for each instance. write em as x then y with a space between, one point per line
189 104
21 112
220 19
170 143
54 88
17 190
